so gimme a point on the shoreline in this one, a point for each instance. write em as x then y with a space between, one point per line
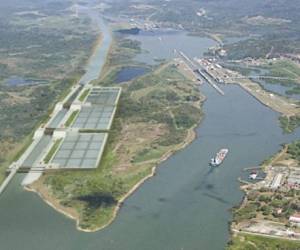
250 92
45 194
233 226
72 214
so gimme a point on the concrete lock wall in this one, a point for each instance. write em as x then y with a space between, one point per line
75 106
38 133
58 107
58 134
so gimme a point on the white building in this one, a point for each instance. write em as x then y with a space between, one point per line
295 218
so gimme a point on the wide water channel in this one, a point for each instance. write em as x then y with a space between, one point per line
98 58
185 206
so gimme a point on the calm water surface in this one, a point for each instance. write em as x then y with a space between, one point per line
129 73
97 60
15 81
161 45
277 88
185 206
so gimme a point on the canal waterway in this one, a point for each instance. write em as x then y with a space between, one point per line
186 205
97 60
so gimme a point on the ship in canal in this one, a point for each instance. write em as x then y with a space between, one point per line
219 158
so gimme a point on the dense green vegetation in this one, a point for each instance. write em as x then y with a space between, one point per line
260 47
186 116
229 18
289 124
125 55
265 204
46 47
162 105
294 150
246 213
243 241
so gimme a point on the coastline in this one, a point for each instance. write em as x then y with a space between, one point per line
236 227
45 194
74 215
243 188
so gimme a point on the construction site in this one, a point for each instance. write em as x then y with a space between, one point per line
74 137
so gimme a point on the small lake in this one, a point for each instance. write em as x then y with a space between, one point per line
277 88
15 81
129 73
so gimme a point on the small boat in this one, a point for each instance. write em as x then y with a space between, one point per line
253 175
219 158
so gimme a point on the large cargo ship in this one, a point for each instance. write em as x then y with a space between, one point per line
219 158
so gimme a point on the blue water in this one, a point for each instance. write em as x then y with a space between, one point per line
187 204
15 81
277 88
97 60
159 46
129 73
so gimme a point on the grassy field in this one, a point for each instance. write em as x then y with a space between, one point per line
286 69
253 242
